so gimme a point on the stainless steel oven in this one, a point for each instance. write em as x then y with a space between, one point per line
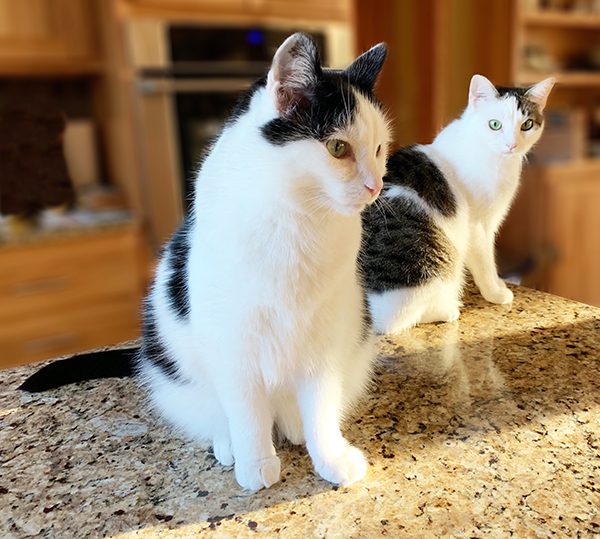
188 77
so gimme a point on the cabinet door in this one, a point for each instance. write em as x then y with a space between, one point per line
207 7
324 10
69 294
572 230
38 31
291 10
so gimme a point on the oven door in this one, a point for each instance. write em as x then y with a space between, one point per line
178 119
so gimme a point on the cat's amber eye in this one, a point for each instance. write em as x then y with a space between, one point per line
378 151
527 125
338 148
495 125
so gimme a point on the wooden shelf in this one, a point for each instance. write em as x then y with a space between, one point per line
566 78
564 19
50 68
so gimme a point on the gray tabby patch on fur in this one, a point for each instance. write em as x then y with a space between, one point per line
402 245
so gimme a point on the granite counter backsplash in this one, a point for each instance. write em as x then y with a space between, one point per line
488 427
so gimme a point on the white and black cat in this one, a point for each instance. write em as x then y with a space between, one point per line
442 206
257 317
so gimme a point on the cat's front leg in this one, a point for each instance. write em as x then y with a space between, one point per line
481 263
333 457
250 425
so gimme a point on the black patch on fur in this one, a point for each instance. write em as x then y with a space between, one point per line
331 107
363 72
524 104
177 252
153 350
410 167
402 246
326 103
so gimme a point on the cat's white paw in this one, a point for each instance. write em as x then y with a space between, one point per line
446 314
453 315
259 474
222 451
500 295
344 469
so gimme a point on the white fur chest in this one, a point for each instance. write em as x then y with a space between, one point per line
280 288
491 186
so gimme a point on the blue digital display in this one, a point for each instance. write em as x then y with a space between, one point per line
255 37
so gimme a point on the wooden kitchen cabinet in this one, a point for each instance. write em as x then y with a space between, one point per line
307 10
554 224
70 293
47 36
571 230
555 221
331 10
207 6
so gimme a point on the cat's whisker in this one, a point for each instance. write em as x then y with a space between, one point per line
381 209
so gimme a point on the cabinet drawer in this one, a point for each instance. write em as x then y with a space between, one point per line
69 330
40 278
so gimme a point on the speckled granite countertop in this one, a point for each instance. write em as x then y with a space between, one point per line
496 436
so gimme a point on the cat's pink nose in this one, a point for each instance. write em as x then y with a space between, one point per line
374 186
510 147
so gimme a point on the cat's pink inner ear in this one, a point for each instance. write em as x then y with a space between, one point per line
539 92
481 89
293 73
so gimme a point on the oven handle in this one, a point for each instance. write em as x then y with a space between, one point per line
171 86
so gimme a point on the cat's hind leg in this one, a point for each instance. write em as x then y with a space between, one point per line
287 417
393 311
442 303
227 410
194 409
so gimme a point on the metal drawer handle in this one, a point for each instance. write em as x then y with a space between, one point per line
41 285
49 343
170 86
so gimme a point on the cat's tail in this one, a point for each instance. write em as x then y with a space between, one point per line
90 366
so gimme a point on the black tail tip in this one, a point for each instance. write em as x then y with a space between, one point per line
32 385
39 381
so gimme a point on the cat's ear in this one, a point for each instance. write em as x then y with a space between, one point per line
294 73
363 72
539 92
481 89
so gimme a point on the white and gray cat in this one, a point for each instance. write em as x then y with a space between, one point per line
442 206
257 318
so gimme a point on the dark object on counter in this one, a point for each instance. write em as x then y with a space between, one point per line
33 170
90 366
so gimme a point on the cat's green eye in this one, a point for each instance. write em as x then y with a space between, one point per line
495 125
338 148
527 125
